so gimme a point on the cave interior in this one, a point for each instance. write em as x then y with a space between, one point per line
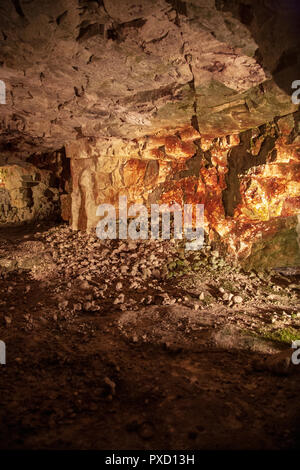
125 340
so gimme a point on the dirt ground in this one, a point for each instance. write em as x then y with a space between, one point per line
115 346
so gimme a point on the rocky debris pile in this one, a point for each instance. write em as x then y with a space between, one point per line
87 278
168 325
130 275
27 256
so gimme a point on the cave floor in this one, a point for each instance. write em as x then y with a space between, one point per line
116 345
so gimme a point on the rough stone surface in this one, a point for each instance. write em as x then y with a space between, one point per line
111 69
162 101
35 189
151 368
26 194
247 182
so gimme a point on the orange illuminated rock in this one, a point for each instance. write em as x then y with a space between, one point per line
134 172
263 179
189 134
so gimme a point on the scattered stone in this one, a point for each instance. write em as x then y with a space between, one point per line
7 320
63 305
146 431
156 273
120 299
111 385
87 306
84 285
77 307
237 299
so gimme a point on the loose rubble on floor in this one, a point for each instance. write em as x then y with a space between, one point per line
70 293
97 276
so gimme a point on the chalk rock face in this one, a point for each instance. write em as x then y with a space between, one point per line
34 190
162 101
248 182
26 194
125 69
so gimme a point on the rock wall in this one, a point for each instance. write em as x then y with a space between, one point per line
80 68
159 100
25 194
34 189
248 182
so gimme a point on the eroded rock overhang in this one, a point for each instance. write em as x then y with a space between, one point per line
124 69
249 182
163 101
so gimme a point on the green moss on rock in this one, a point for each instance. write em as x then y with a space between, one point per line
280 250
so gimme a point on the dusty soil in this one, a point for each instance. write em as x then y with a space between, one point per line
111 345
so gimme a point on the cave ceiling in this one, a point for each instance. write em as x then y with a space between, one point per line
132 68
